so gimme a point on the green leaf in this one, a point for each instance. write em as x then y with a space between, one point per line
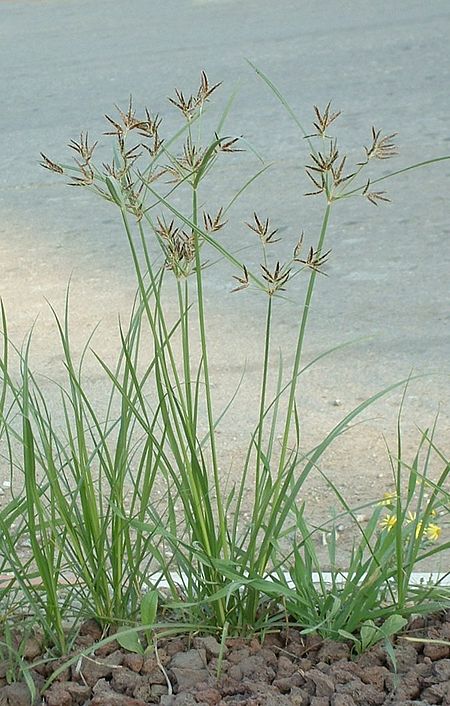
348 636
370 634
393 625
391 653
149 607
113 191
130 641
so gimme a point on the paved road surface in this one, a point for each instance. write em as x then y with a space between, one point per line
64 63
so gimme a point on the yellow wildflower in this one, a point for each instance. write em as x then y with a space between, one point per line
388 499
388 522
418 529
411 517
433 532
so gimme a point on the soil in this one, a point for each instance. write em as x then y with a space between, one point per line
285 669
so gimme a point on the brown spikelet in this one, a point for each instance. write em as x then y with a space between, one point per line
374 196
261 228
277 279
381 147
323 120
314 260
52 166
243 281
215 223
82 147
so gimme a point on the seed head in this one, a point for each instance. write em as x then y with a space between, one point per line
82 147
185 105
149 128
215 223
314 259
168 231
178 246
243 281
337 173
87 177
261 228
205 89
133 193
374 196
323 162
381 147
192 155
190 105
319 182
52 166
324 120
276 279
226 144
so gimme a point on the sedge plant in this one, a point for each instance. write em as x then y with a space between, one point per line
99 539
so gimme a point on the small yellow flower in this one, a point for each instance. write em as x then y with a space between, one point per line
433 532
411 517
388 522
418 529
388 499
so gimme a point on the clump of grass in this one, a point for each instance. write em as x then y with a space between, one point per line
99 541
377 583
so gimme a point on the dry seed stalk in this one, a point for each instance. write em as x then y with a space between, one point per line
324 120
381 147
314 259
213 224
82 147
374 196
189 106
129 122
261 228
192 155
276 279
226 144
243 281
52 166
324 162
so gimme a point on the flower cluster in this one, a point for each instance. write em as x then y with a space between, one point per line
326 169
428 531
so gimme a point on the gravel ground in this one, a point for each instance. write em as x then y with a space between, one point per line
66 64
284 670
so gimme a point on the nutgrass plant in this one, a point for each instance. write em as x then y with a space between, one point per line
99 537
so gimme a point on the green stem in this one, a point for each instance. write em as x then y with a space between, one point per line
262 404
299 348
183 308
253 595
161 317
417 165
201 321
176 440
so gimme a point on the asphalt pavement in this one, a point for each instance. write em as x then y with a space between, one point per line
65 63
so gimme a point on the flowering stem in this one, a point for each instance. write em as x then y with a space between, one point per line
299 348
